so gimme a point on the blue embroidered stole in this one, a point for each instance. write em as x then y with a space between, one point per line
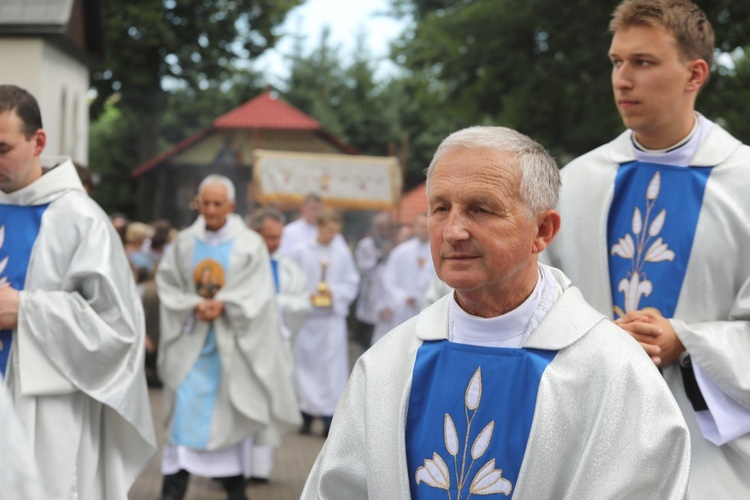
19 228
275 270
196 395
650 231
469 418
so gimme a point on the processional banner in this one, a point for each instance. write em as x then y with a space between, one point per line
351 182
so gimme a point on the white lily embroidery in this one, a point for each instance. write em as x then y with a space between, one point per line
482 442
625 248
474 390
652 192
450 436
434 473
658 252
487 480
640 249
634 289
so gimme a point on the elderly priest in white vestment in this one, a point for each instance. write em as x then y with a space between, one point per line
71 324
220 352
293 301
512 385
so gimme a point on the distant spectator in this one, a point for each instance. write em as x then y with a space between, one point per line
120 221
155 246
135 234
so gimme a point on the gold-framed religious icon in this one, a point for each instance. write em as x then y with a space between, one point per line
208 277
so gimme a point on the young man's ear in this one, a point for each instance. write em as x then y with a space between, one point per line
698 75
40 141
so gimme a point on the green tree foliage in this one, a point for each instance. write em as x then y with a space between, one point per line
194 42
377 117
539 66
190 110
187 47
726 98
316 82
111 139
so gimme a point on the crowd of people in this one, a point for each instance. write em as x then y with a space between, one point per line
317 281
539 333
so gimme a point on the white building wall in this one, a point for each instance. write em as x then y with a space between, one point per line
21 60
60 84
64 86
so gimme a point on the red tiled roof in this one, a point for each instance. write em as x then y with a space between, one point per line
267 112
263 112
413 203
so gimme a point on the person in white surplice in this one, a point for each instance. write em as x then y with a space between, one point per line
370 256
408 274
219 352
305 228
321 349
293 301
71 323
656 233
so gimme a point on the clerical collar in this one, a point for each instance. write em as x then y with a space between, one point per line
214 238
679 154
507 330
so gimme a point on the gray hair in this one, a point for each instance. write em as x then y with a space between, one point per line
220 180
540 177
256 220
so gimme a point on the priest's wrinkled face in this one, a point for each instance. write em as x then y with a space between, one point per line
482 237
214 204
19 153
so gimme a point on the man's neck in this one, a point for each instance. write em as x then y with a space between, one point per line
219 228
489 304
669 139
34 174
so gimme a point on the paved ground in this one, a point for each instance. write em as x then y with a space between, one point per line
292 463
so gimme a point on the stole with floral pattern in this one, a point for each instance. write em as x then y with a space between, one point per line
650 231
469 418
